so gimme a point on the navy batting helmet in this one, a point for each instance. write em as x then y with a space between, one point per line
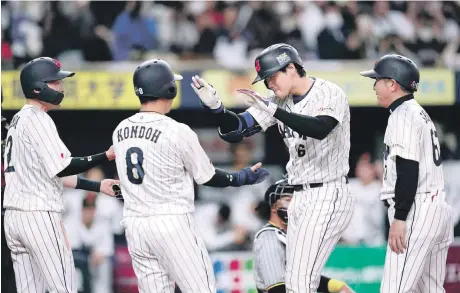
155 79
273 59
37 73
396 67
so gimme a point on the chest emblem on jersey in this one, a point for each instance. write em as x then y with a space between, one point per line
287 132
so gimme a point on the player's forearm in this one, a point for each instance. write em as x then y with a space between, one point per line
226 120
70 181
233 127
81 164
77 182
315 127
245 176
405 187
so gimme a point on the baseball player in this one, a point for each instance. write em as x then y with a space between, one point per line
8 281
421 226
37 168
270 246
313 117
157 161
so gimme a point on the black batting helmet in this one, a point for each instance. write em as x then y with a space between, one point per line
396 67
155 79
35 75
277 191
273 59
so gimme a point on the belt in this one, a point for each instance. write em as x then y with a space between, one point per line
300 187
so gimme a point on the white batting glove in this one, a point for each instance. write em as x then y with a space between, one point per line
257 101
207 94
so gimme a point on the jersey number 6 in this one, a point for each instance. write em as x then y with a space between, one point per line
301 150
436 148
134 161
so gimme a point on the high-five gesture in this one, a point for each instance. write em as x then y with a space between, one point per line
257 101
207 94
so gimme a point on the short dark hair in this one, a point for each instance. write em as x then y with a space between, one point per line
300 69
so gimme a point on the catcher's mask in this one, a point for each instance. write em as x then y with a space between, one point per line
276 192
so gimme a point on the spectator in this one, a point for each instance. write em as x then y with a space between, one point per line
185 34
262 29
367 225
311 23
231 47
207 23
333 42
451 54
216 229
132 30
94 239
108 209
105 212
386 21
429 43
393 44
22 20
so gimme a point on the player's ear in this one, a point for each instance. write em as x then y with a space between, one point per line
291 68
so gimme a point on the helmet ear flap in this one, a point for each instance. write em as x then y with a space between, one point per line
39 86
169 90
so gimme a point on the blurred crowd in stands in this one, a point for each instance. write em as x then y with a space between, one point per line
231 32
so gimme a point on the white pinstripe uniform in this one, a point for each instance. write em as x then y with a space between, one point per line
34 229
269 257
412 135
317 216
157 161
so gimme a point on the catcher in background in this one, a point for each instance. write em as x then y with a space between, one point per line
270 245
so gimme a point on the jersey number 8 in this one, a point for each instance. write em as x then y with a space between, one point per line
134 161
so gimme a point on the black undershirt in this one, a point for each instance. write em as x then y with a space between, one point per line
405 187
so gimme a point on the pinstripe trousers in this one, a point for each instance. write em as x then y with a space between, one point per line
166 250
429 232
317 219
41 253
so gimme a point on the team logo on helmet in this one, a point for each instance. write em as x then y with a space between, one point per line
57 63
283 58
257 65
414 85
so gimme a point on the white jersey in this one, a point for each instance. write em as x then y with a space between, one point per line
412 135
157 160
312 160
34 155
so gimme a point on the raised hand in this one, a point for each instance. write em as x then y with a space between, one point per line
207 94
257 101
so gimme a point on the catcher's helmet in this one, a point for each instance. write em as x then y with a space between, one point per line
396 67
277 191
273 59
35 75
155 79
